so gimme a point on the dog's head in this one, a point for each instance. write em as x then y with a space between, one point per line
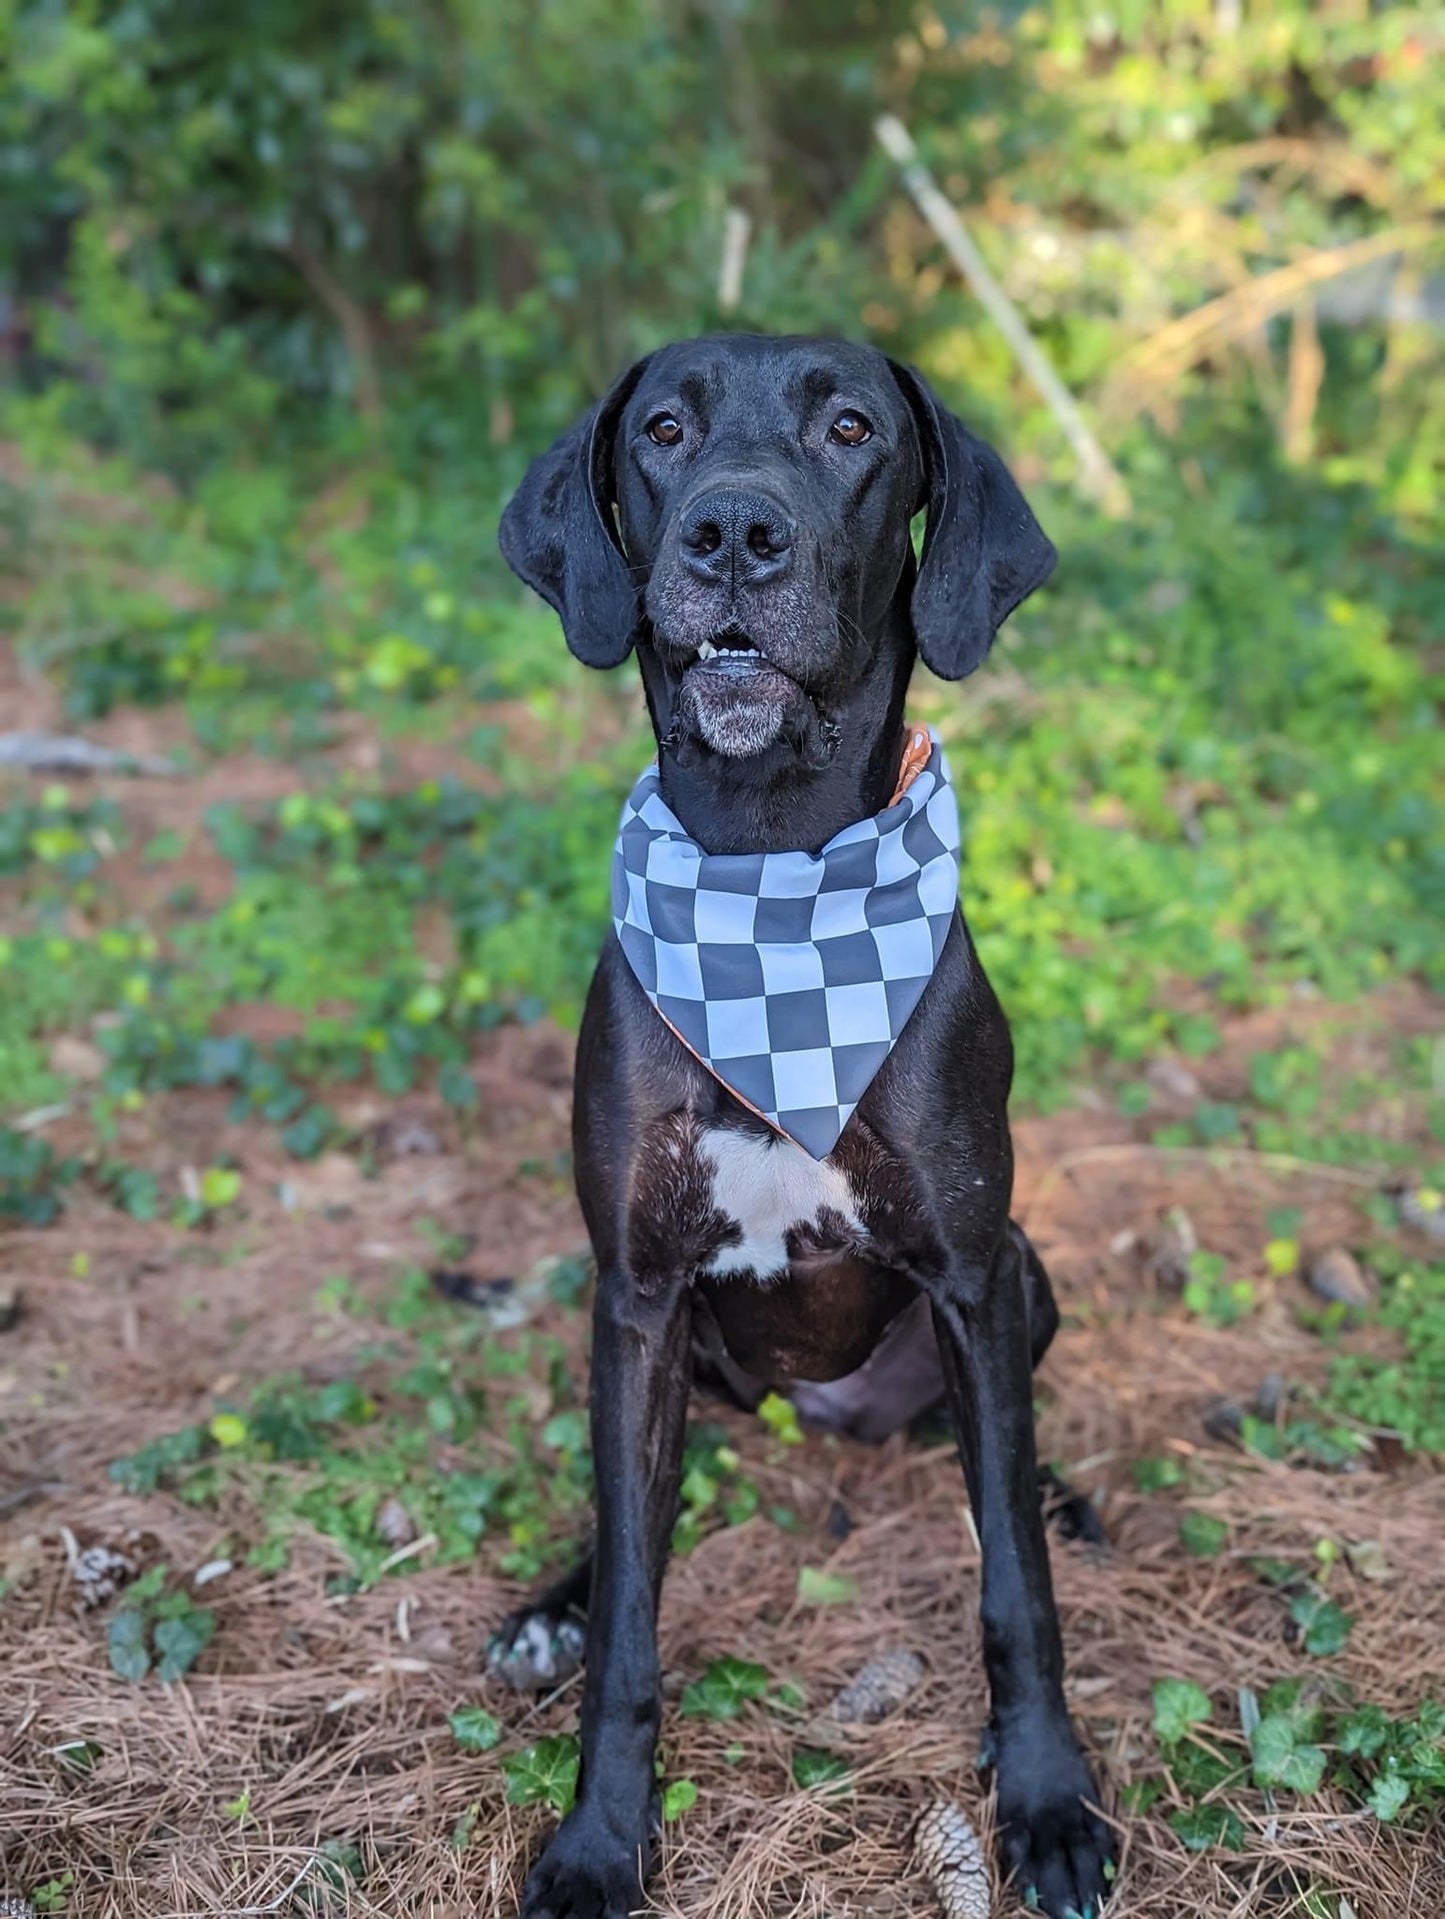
742 505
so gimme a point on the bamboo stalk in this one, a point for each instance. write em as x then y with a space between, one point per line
1097 471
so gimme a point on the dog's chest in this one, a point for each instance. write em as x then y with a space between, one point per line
784 1204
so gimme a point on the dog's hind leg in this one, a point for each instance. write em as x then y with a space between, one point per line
539 1646
1039 1301
1070 1513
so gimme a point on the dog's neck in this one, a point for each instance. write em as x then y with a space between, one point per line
797 794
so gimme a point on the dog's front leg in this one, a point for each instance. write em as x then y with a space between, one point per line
1053 1843
594 1867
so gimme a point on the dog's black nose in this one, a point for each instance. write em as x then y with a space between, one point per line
732 535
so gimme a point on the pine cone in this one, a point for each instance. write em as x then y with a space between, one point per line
100 1572
878 1689
948 1849
13 1908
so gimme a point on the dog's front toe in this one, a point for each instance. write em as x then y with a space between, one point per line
1059 1853
581 1876
1061 1860
535 1650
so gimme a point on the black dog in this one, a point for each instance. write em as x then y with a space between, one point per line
737 509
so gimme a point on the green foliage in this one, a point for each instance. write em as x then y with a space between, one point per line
1179 1705
714 1490
1303 1442
1212 1295
781 1417
54 834
815 1771
1212 1824
1405 1396
1158 1474
1096 893
1203 1535
54 1895
678 1797
1325 1627
1394 1763
726 1686
31 1178
819 1587
328 1459
1292 1741
544 1773
157 1631
1283 1757
474 1729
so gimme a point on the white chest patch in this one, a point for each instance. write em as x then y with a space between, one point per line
767 1185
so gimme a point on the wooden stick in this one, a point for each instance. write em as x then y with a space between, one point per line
1097 471
737 230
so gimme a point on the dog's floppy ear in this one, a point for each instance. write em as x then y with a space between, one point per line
983 550
558 533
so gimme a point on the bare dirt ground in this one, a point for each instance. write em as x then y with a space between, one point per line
331 1710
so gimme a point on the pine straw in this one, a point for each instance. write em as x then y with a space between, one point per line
332 1712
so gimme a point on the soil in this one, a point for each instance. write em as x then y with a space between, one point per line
331 1711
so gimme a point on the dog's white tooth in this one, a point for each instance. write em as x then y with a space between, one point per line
706 650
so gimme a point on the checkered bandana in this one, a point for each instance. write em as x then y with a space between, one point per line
791 975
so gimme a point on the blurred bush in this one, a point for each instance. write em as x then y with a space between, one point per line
481 208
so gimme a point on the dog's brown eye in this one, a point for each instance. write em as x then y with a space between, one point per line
664 429
850 429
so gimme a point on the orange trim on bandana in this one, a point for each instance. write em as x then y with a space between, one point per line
916 755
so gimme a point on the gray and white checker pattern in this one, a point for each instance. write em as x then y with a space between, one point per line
791 975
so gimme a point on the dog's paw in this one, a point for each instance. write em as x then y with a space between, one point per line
581 1877
1072 1515
1059 1853
533 1651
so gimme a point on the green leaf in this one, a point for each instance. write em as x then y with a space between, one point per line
1274 1572
1388 1796
457 1087
305 1137
1281 1256
812 1769
1365 1733
781 1417
126 1643
1198 1771
819 1588
1327 1627
544 1774
181 1640
1279 1760
475 1730
1293 1700
1203 1826
220 1187
1179 1705
678 1798
426 1004
1154 1475
724 1689
54 1895
1203 1535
